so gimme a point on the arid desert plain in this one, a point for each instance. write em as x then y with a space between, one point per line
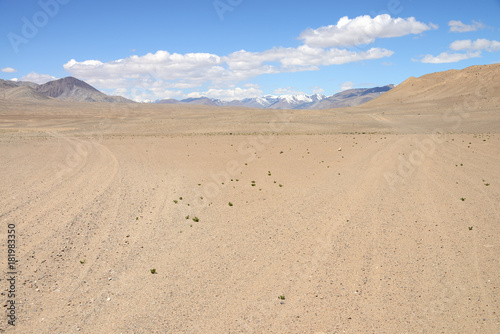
144 218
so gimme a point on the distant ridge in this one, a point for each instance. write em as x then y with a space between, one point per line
67 89
352 97
72 89
475 86
347 98
7 84
478 85
61 87
23 93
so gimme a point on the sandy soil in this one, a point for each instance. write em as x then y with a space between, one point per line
396 232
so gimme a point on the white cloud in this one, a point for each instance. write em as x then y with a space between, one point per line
140 95
38 78
458 26
195 69
165 71
473 49
446 57
9 70
287 91
318 90
160 65
230 94
477 45
346 85
301 58
362 30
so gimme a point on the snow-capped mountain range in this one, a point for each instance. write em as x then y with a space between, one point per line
72 89
347 98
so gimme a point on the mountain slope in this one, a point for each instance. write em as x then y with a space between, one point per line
299 101
203 101
72 89
255 102
352 97
7 84
22 93
476 86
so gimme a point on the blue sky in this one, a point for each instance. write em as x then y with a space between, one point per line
232 49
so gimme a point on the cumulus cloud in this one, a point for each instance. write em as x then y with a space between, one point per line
160 65
472 49
478 45
156 75
346 85
299 59
163 70
287 91
362 30
38 78
458 26
195 69
229 94
447 57
144 95
318 90
9 70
